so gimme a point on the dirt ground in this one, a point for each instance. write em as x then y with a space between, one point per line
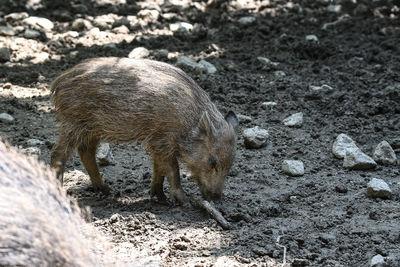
323 218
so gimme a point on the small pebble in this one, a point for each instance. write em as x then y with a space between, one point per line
343 143
378 188
268 105
121 29
4 117
31 151
246 21
7 31
384 154
377 261
31 34
279 74
244 118
139 52
255 137
312 38
181 26
115 218
149 14
34 142
184 61
267 62
293 167
206 66
4 54
295 120
355 159
42 23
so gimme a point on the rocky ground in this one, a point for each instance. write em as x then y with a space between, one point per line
293 196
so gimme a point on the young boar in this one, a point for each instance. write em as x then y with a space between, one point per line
123 100
39 225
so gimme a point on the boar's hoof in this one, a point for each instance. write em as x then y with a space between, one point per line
179 197
158 196
104 189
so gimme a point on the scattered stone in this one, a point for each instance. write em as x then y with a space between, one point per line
4 117
149 14
206 66
322 88
31 151
104 22
312 38
4 54
268 105
246 21
279 74
384 154
377 261
16 16
378 188
180 245
31 34
293 167
7 86
104 154
341 189
343 143
41 23
121 29
184 61
355 159
295 120
110 46
255 137
81 24
267 62
244 118
139 52
34 142
179 26
162 53
334 8
7 31
115 218
41 57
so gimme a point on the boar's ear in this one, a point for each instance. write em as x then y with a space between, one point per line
205 125
232 120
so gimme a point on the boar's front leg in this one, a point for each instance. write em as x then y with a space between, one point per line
168 167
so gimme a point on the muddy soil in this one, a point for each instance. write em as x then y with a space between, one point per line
323 218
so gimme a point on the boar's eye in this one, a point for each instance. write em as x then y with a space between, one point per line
212 162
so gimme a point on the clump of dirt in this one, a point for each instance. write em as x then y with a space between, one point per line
323 218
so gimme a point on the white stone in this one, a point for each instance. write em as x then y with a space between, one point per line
293 167
41 57
81 24
150 14
295 120
34 142
121 29
267 62
139 52
343 143
355 159
184 61
16 16
31 151
269 104
4 54
4 117
104 154
312 38
279 74
110 45
244 118
39 22
180 26
384 154
323 88
207 66
255 137
377 261
334 8
248 20
378 188
31 34
7 31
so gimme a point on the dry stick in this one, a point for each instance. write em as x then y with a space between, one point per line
212 211
284 250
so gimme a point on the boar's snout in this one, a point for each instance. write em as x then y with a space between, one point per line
213 194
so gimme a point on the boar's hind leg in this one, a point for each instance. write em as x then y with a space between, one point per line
87 153
59 156
167 167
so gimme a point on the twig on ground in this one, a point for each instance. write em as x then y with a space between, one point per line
209 207
284 249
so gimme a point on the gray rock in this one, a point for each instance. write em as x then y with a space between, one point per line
246 21
121 29
139 52
110 46
180 26
7 31
267 62
378 188
104 154
16 16
322 88
81 24
312 38
244 118
4 117
34 142
295 120
163 53
293 167
334 8
355 159
343 143
279 74
38 22
31 151
4 54
207 66
31 34
255 137
184 61
384 154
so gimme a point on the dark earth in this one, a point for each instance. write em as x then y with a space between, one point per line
323 218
